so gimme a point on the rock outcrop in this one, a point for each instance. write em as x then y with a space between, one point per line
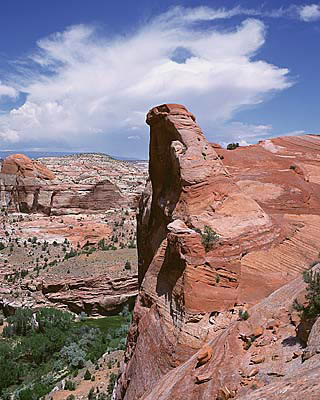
218 231
86 183
23 166
94 295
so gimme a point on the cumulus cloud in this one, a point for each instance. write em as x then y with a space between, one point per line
7 91
242 133
82 85
310 12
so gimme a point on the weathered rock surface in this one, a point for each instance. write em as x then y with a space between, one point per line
81 183
266 214
94 295
23 166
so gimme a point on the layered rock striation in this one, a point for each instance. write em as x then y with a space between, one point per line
98 294
214 237
88 183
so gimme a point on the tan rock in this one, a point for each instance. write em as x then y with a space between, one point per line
204 355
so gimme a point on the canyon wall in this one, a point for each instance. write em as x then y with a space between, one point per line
260 206
87 183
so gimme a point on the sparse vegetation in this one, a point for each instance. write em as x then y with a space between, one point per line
312 309
209 237
243 315
87 375
232 146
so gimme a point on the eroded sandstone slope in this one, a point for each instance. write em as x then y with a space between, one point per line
263 203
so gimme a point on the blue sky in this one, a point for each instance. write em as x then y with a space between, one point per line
80 76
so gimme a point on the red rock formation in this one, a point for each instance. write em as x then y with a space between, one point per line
98 294
189 294
21 165
29 186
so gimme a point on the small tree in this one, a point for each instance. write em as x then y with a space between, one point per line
91 395
87 375
243 315
209 237
127 265
232 146
312 309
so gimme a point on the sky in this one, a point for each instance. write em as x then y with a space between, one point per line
80 75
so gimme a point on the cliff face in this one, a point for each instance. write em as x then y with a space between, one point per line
189 294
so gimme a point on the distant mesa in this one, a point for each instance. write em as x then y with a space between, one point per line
73 184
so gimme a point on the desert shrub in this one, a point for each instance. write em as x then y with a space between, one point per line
232 146
132 244
2 246
70 254
112 381
71 397
83 316
87 375
243 315
74 355
293 167
70 385
249 342
91 395
102 245
208 238
312 308
127 265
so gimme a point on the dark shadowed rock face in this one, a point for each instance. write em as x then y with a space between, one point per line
190 295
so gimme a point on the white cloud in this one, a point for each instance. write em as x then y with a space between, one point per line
7 91
90 85
310 12
242 133
134 137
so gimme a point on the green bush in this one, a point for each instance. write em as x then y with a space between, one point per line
208 238
232 146
70 385
91 395
312 309
87 375
243 315
127 265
